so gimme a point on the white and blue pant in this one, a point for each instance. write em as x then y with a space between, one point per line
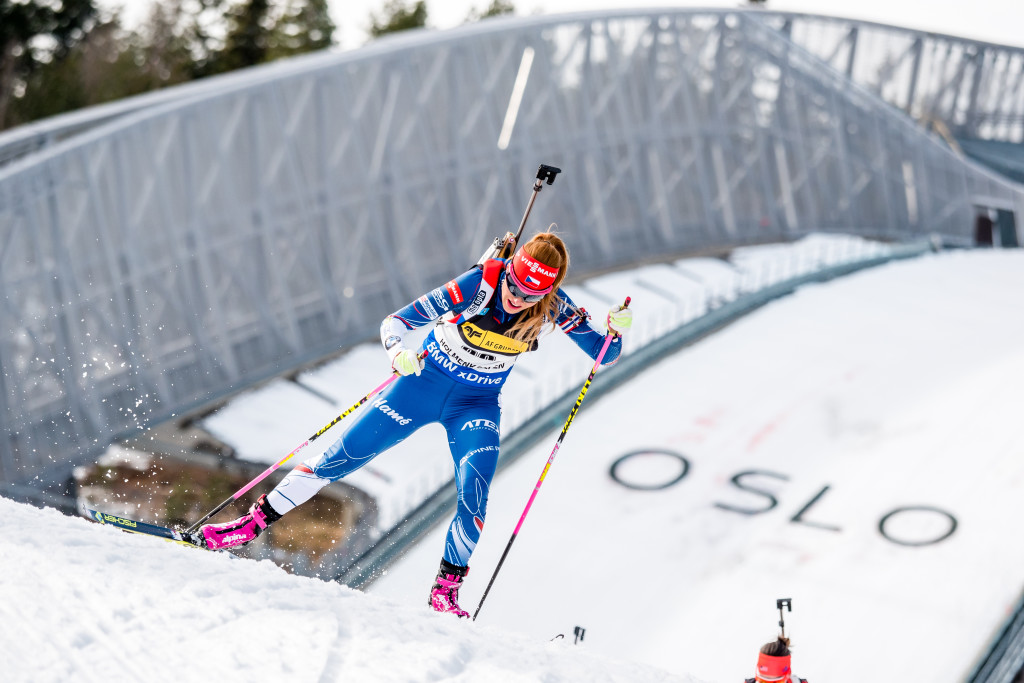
470 415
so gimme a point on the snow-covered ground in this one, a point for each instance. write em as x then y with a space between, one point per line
82 603
855 447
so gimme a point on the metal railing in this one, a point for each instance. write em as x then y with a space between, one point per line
973 88
940 80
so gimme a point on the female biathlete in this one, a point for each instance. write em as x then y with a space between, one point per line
484 318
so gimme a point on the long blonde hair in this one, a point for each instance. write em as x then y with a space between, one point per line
549 249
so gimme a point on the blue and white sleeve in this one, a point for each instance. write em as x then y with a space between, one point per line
451 298
575 322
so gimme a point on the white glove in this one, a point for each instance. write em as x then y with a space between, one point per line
619 320
407 362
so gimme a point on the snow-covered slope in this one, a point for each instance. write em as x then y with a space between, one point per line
81 602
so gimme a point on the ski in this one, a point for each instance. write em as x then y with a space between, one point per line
135 527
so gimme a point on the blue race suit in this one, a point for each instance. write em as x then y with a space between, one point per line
469 358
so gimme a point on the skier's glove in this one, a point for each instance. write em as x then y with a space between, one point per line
619 320
407 362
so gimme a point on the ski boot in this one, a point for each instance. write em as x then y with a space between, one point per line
242 530
444 596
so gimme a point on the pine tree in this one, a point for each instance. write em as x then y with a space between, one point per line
397 16
495 9
249 30
306 26
166 48
34 33
260 31
199 25
88 60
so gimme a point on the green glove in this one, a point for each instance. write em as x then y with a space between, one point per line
619 320
407 362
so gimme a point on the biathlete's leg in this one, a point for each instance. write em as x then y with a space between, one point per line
392 417
385 421
473 440
471 419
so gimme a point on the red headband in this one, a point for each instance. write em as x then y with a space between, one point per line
532 276
771 669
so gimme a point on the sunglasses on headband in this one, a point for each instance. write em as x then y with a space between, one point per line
515 290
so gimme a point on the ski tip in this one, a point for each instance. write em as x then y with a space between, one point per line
193 539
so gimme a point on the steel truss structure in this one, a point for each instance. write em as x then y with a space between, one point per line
192 246
969 88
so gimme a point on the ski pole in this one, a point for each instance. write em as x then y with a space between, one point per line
241 492
572 414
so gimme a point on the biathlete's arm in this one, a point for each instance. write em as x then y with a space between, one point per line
577 326
451 298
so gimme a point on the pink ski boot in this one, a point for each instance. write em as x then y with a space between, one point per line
242 530
444 596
